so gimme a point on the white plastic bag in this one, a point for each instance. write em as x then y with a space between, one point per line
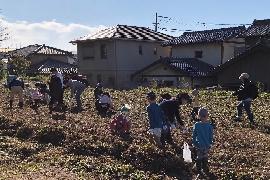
187 153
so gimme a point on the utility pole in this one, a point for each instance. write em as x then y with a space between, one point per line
156 23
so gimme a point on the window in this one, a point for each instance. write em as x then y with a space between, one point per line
103 51
155 51
88 53
198 54
140 50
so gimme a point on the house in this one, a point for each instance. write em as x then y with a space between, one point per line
258 30
214 46
42 56
112 55
255 61
172 71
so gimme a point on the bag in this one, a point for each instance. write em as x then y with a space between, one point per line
187 153
254 93
120 125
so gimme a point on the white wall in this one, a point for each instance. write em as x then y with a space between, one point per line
211 52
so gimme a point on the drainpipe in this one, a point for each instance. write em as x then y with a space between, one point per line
222 53
116 66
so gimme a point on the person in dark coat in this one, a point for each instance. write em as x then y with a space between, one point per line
171 112
55 87
98 91
245 96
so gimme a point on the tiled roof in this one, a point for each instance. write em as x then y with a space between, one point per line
127 32
259 28
190 66
207 36
38 49
46 65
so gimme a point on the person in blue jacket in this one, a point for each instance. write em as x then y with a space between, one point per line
155 117
202 139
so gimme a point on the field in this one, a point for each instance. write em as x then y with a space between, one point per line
37 145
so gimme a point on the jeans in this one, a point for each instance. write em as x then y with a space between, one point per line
247 106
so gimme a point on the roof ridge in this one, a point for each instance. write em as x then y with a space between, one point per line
220 29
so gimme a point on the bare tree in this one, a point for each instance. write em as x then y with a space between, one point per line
4 35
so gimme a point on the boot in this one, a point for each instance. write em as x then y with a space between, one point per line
10 104
205 166
20 104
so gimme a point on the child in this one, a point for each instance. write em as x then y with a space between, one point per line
202 139
120 123
195 104
156 118
36 97
104 103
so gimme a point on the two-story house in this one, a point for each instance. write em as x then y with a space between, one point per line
214 46
112 55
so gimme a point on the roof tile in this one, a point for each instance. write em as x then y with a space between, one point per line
127 32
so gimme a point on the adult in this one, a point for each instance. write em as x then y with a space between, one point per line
77 89
171 112
16 87
245 95
60 76
56 91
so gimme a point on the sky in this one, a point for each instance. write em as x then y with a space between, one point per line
56 22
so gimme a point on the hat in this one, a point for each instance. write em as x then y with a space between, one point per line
151 95
244 76
125 108
202 112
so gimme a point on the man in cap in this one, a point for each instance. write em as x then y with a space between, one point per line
245 94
